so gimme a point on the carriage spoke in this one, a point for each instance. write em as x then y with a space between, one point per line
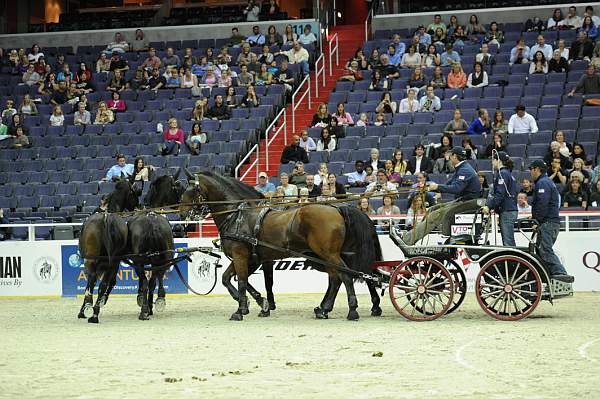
517 307
506 271
521 276
499 275
432 279
445 282
522 298
488 294
486 274
498 298
491 286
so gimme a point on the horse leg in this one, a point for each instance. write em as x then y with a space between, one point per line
151 287
268 276
352 300
241 270
88 298
144 312
375 299
161 302
326 306
226 281
107 277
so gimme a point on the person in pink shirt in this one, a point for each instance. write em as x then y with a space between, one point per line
174 138
116 104
457 79
344 118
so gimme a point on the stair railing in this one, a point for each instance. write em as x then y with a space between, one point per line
254 164
319 71
281 117
296 102
333 49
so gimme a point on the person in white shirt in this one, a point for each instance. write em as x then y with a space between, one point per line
541 45
522 204
251 11
430 102
82 116
573 21
477 78
297 55
589 12
119 45
57 118
307 37
381 185
409 104
522 122
307 142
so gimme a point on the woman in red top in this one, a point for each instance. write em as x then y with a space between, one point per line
173 137
457 78
116 104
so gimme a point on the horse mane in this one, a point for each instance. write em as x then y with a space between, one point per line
232 187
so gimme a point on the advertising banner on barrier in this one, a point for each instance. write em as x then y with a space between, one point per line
74 279
30 271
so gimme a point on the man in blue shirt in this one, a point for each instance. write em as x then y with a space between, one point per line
481 125
465 186
114 173
264 185
503 197
394 56
256 38
357 178
545 210
450 57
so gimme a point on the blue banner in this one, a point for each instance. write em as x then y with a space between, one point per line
74 279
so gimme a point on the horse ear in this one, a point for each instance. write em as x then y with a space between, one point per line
176 176
188 174
122 176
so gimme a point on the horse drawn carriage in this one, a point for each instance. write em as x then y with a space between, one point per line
430 281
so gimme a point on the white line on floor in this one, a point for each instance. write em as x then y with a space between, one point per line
583 350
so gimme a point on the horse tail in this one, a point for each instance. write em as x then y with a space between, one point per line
115 238
361 239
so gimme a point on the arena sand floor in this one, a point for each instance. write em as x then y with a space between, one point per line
192 350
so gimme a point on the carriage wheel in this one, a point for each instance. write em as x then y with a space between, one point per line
508 288
460 284
421 289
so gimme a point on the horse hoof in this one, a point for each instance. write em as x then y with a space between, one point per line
320 314
376 312
144 316
272 306
245 312
102 302
264 313
150 312
88 310
160 304
140 300
93 320
265 307
236 317
81 316
352 315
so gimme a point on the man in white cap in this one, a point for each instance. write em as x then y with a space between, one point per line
264 185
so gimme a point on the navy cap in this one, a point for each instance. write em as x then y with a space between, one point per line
459 151
538 163
503 156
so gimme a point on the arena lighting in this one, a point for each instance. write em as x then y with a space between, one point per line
339 14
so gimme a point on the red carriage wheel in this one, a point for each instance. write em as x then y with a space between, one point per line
460 284
421 289
508 288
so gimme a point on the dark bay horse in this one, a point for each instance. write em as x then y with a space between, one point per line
164 190
344 237
102 242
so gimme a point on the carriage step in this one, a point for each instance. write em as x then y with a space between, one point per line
561 289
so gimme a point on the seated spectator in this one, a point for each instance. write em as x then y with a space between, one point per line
104 115
554 21
196 138
538 64
578 151
380 120
299 175
450 57
141 174
171 60
417 80
61 95
83 85
344 118
394 56
210 79
82 116
250 100
438 81
442 163
484 57
387 209
523 206
419 162
121 168
459 36
28 107
273 38
527 187
117 83
34 54
225 79
322 117
188 80
416 212
391 175
494 35
103 64
497 145
20 139
65 74
140 43
409 104
117 63
220 110
307 142
173 137
119 45
264 186
534 24
417 188
151 62
386 104
554 153
557 63
445 144
436 24
374 162
378 82
388 71
139 81
172 78
420 47
297 55
266 57
522 122
352 73
31 77
575 196
264 77
398 44
365 206
582 48
224 57
565 148
595 61
438 38
482 124
17 122
430 102
541 45
589 27
83 100
457 78
499 124
410 59
594 200
478 78
470 148
245 78
457 125
425 38
520 53
474 28
557 174
589 83
578 167
326 142
363 119
293 152
115 104
307 38
231 100
432 59
375 59
236 39
289 190
357 178
331 188
381 185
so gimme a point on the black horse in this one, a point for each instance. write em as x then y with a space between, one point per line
102 242
164 190
341 237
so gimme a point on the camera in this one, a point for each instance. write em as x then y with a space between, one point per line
378 186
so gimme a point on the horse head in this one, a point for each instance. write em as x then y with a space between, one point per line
193 196
164 190
123 198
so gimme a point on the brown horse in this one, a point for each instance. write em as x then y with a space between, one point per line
344 237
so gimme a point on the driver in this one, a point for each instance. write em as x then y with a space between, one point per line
544 209
465 186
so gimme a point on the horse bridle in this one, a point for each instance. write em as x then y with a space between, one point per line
199 209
